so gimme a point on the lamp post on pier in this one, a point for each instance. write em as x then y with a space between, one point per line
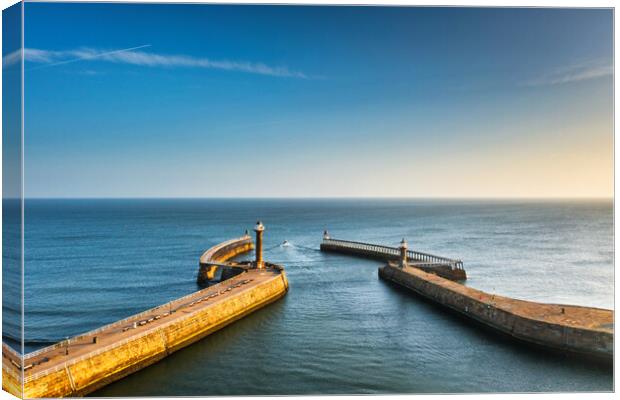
259 228
403 253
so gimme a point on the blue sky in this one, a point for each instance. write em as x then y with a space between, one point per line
136 100
11 106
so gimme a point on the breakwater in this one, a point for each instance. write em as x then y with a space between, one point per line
446 267
212 259
11 371
575 329
84 363
582 330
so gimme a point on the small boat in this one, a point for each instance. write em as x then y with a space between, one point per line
285 243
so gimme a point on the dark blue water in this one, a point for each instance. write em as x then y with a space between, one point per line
339 329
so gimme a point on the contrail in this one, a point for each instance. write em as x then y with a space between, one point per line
90 57
131 56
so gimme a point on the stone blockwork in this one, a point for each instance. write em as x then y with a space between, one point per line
98 368
11 371
569 328
94 359
220 254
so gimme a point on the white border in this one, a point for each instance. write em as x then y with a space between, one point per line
474 3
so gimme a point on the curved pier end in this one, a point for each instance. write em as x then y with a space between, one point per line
574 329
219 254
85 363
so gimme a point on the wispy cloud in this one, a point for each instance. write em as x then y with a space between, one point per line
574 73
11 58
34 55
89 72
137 56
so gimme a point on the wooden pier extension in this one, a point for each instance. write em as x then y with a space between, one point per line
567 328
87 362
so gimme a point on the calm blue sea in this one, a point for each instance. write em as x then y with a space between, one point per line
340 329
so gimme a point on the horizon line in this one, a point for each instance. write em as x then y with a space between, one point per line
311 198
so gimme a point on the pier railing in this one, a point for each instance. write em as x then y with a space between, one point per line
417 257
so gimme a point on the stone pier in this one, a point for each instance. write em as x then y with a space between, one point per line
581 330
87 362
567 328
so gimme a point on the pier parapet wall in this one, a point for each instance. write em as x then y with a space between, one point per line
221 253
575 329
81 375
87 362
12 371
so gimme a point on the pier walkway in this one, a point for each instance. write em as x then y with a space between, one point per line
89 361
567 328
69 351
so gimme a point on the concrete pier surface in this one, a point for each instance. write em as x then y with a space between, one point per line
568 328
87 362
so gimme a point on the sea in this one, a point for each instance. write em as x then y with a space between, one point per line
339 330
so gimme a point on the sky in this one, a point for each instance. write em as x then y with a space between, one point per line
139 100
